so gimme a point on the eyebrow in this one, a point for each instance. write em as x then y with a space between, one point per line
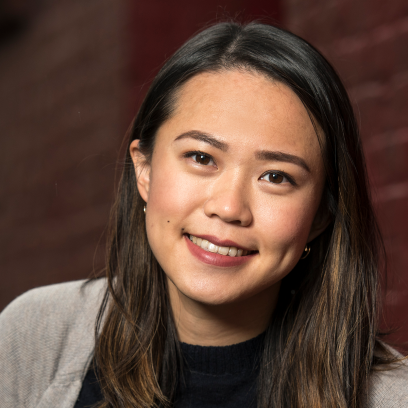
260 155
282 157
203 137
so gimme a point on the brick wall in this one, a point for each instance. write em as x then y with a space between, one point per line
367 41
62 98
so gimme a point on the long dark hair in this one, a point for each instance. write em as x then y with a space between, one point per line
320 345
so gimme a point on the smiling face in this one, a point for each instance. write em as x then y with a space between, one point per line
237 164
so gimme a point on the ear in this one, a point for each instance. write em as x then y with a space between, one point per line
320 222
142 169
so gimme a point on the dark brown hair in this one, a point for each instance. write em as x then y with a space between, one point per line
319 347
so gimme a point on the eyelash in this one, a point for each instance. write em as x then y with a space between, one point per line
196 153
281 173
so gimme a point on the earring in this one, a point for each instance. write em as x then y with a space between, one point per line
306 252
144 209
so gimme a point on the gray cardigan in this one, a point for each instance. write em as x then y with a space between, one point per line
47 341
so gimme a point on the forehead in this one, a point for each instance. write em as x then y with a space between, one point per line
245 108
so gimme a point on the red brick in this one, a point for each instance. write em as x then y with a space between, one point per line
372 108
389 164
392 212
400 50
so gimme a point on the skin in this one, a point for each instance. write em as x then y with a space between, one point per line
231 198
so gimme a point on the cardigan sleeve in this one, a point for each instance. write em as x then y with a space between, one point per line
46 343
388 387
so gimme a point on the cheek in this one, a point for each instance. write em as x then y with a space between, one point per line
172 194
286 223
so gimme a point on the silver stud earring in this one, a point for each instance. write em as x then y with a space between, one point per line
306 252
144 209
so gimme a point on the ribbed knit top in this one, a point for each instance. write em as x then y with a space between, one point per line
223 360
220 376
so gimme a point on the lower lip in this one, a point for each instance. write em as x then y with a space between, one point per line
212 258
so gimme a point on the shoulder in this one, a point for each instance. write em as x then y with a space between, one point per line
47 337
52 307
55 295
389 385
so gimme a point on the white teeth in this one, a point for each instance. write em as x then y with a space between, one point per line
210 247
223 250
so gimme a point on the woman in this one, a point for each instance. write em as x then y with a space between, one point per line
243 262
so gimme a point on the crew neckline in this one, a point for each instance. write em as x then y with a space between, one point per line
220 360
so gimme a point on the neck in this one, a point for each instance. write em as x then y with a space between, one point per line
203 324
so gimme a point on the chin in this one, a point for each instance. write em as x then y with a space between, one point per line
214 296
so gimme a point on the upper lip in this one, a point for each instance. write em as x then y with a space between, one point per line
222 242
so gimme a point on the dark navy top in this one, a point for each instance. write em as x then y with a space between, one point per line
214 377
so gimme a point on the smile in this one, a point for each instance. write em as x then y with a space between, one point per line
210 247
210 253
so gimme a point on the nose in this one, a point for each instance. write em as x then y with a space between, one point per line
230 202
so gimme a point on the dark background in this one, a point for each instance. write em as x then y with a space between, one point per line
73 72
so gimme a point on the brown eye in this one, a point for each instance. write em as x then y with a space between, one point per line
202 159
275 178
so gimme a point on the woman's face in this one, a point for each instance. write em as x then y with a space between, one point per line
238 164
